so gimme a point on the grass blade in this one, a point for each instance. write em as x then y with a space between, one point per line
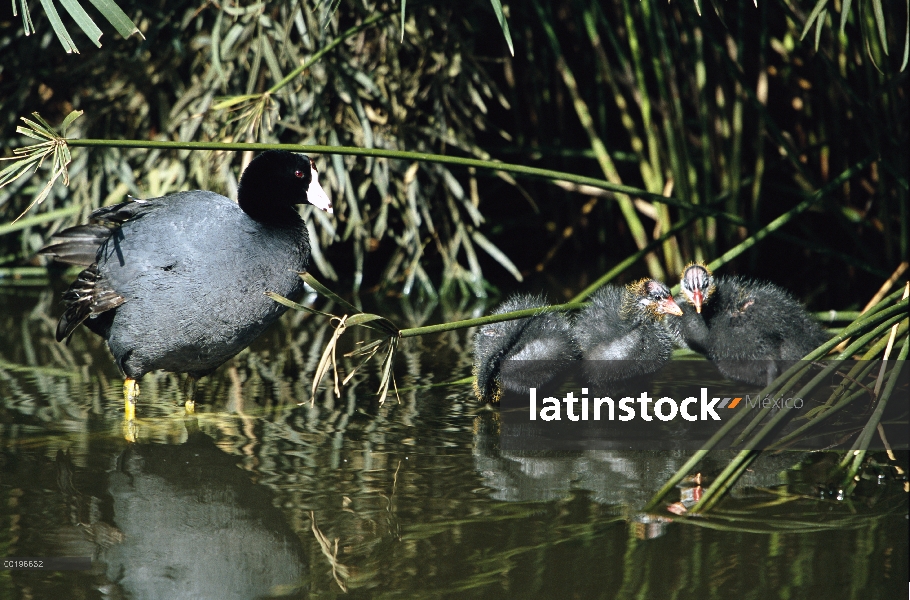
69 121
403 3
819 7
122 23
906 42
59 29
27 24
85 22
497 8
329 294
819 25
496 253
880 22
291 304
844 13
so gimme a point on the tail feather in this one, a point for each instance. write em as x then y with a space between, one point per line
90 295
118 214
78 245
87 296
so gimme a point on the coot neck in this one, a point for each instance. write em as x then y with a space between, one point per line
693 329
264 200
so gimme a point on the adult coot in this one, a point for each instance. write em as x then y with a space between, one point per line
542 343
177 283
751 330
620 332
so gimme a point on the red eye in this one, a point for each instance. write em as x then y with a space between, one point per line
298 174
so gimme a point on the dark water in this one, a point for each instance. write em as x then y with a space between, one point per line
258 495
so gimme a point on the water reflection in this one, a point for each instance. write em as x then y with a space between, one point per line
614 477
184 522
267 496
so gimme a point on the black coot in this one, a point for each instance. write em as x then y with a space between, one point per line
620 332
751 330
542 343
177 283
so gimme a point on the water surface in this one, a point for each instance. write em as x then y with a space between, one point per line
267 492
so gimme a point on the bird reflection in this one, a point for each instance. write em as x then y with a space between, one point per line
622 478
195 526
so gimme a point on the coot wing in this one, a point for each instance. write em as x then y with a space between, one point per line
79 245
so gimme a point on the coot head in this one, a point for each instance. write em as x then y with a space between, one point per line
652 298
697 285
277 180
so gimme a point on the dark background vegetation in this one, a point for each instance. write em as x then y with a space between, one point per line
729 106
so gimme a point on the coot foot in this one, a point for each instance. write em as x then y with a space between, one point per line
189 392
130 394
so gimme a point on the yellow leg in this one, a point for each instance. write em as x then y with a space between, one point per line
189 389
130 393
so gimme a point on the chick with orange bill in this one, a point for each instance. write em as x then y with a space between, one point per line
620 333
751 330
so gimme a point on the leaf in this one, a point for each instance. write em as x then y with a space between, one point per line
359 317
42 131
34 155
328 355
122 23
272 61
365 318
844 13
16 170
906 42
59 29
27 24
387 374
44 192
818 27
227 44
497 8
291 304
216 48
880 21
329 294
369 348
496 253
31 134
47 126
403 2
62 158
85 22
819 7
69 121
41 149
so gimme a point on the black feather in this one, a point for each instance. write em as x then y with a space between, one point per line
86 297
77 245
